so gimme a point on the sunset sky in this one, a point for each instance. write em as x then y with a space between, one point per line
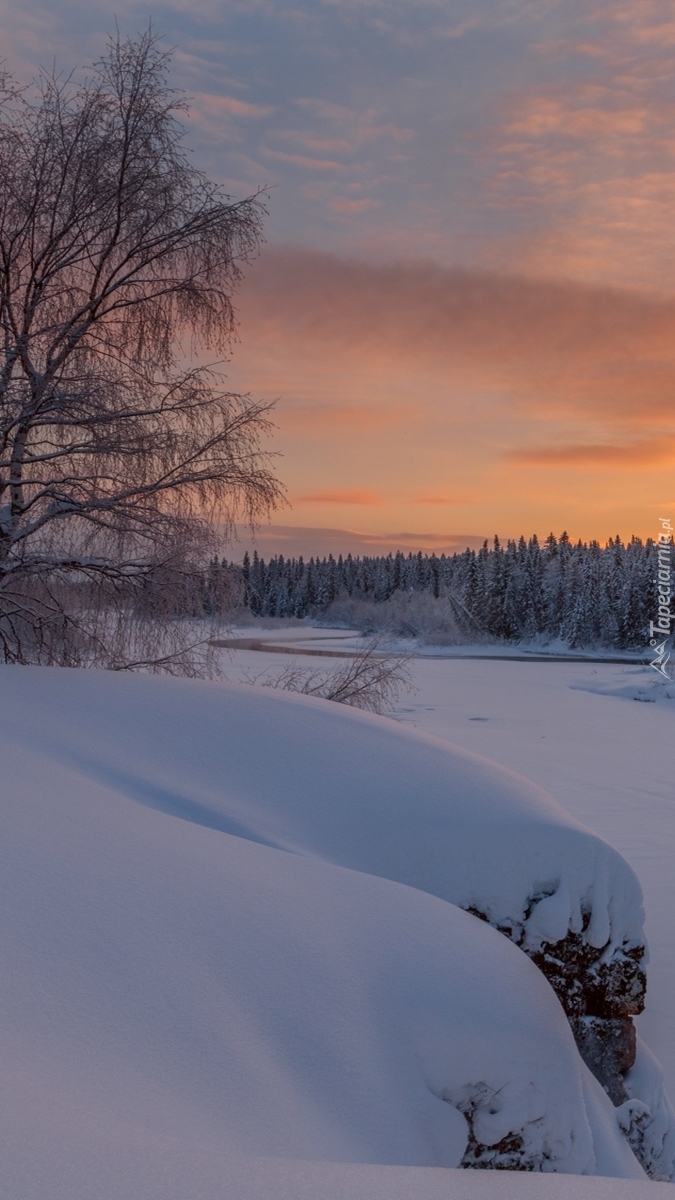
466 302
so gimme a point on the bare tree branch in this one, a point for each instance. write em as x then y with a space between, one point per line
113 250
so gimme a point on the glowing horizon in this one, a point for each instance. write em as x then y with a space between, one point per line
443 400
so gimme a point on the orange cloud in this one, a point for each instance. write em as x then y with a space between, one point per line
635 454
343 496
566 349
319 416
440 500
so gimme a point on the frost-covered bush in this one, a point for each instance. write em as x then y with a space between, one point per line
430 619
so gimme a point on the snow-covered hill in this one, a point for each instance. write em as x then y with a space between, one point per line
180 991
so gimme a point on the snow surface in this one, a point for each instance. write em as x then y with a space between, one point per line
275 1179
606 758
179 993
347 787
576 730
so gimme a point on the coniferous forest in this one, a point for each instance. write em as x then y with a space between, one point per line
582 594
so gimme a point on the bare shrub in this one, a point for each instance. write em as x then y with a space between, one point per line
370 679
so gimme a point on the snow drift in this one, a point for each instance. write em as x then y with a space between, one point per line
341 785
189 983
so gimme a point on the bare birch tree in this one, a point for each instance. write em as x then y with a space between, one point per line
115 461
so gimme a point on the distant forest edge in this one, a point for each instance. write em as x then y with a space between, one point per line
582 594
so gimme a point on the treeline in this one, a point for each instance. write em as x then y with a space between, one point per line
583 594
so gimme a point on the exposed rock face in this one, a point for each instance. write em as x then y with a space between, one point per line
601 990
507 1155
588 982
525 1150
607 1046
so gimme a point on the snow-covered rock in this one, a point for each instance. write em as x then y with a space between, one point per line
647 1117
192 983
331 782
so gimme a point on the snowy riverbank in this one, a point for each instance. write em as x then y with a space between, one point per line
181 991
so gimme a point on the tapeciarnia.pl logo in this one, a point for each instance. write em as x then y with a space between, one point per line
660 628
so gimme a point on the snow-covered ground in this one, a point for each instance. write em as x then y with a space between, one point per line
191 1012
597 736
278 1179
582 732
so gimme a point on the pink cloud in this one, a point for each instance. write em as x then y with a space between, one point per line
211 104
542 117
300 160
360 126
311 142
368 133
347 207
